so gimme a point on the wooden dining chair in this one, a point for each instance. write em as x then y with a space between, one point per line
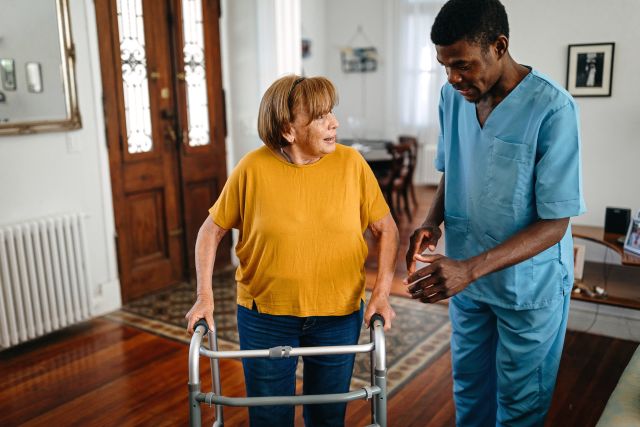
404 178
412 142
388 180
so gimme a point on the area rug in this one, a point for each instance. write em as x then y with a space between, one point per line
420 332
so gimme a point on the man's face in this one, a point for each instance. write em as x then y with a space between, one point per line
471 70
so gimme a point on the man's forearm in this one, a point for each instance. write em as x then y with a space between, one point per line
523 245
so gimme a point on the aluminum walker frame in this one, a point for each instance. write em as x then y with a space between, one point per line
376 392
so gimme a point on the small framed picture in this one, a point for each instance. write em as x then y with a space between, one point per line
578 262
590 69
632 240
359 59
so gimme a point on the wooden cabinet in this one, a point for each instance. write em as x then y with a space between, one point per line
621 282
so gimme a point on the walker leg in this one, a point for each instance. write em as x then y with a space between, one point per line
372 363
215 374
379 373
195 419
380 400
194 376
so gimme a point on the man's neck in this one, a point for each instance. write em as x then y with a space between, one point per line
512 75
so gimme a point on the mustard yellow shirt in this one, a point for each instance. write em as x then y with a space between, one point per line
301 245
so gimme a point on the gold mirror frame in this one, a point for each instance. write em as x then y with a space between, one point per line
67 50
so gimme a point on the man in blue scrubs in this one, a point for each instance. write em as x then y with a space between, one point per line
509 148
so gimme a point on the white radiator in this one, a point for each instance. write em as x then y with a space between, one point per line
44 277
426 172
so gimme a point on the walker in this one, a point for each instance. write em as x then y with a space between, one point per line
376 392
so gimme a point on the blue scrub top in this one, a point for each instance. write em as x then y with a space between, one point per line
523 165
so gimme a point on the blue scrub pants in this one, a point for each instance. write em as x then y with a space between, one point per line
277 377
505 362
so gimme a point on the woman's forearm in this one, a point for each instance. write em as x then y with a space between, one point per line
209 237
386 232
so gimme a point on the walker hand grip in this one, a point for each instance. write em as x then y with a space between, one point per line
376 316
202 322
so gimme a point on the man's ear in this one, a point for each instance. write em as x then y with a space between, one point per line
501 45
289 134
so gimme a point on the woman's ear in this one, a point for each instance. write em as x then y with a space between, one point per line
289 134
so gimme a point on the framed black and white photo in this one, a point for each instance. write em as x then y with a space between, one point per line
590 69
632 239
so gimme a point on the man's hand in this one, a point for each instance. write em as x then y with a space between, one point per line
202 309
426 236
379 303
442 278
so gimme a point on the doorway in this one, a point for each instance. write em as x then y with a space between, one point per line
165 124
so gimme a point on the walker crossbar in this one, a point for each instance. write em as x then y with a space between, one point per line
314 399
275 353
376 392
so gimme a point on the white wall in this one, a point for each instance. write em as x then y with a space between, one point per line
610 126
253 57
51 173
314 28
241 76
60 172
362 95
540 34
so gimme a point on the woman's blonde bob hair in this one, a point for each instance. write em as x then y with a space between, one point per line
315 95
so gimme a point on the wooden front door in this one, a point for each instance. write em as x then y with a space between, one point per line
163 104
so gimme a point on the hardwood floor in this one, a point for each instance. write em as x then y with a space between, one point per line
101 373
589 371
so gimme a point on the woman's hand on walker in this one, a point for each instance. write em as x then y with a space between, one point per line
202 309
379 303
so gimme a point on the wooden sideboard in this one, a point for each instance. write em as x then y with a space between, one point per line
612 241
597 234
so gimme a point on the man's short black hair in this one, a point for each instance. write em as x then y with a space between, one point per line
478 21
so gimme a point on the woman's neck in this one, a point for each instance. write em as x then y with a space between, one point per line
293 155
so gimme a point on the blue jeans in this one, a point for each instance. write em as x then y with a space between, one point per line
277 377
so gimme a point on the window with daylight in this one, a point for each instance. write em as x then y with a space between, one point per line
134 76
195 73
419 75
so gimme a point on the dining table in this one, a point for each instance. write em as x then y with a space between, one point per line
374 151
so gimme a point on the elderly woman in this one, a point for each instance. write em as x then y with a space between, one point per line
301 204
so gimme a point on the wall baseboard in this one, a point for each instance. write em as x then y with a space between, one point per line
106 298
599 319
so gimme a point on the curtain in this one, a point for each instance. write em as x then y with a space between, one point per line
417 77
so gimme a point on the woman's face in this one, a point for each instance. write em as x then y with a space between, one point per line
316 138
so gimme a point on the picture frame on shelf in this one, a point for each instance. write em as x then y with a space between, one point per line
590 69
578 262
632 239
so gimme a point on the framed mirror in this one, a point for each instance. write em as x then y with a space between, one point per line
37 68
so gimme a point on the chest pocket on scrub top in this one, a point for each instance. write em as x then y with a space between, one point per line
508 173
